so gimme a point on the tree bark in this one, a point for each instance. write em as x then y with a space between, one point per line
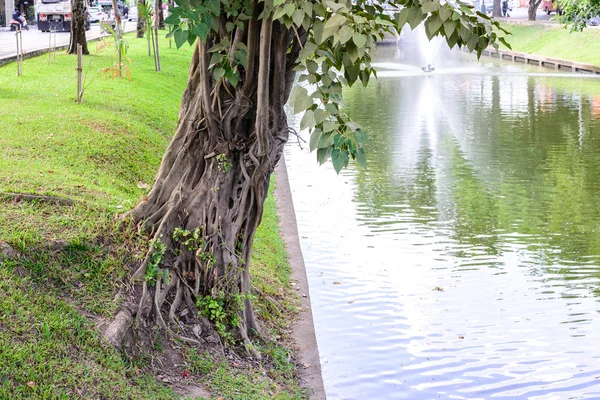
532 10
497 11
78 25
140 21
161 15
214 177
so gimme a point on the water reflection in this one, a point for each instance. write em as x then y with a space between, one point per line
468 252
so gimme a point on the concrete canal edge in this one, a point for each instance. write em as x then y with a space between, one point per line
523 58
303 329
542 61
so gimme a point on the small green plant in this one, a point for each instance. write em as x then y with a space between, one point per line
190 239
223 311
121 46
156 259
224 163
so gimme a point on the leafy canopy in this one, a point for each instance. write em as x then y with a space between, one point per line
338 40
577 13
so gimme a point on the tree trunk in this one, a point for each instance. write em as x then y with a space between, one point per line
161 15
140 21
214 178
497 11
78 25
532 10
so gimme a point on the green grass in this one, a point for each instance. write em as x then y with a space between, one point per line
102 154
556 42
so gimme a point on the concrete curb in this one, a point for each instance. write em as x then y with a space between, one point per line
35 53
303 330
542 61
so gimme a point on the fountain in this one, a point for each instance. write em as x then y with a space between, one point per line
428 68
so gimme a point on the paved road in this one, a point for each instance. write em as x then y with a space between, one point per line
36 40
521 13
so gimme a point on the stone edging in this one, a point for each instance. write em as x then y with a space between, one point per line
303 330
542 61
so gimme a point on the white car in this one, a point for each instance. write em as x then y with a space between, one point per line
96 14
132 15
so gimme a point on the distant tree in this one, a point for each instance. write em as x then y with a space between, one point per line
207 199
532 9
161 15
140 26
78 27
577 13
497 11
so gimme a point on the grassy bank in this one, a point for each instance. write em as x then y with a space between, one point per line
556 42
63 287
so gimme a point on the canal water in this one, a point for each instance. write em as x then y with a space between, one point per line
464 262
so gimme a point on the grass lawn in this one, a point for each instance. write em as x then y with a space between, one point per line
556 42
103 154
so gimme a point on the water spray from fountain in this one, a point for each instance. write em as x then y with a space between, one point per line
429 48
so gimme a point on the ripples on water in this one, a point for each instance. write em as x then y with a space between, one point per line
464 263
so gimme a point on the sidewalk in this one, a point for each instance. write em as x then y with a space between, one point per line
36 42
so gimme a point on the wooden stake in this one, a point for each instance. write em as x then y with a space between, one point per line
79 73
50 45
19 37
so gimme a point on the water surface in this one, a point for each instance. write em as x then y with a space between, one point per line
465 261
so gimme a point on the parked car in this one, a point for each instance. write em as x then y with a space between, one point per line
133 14
96 14
550 6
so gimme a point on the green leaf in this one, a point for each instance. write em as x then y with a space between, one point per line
332 25
338 140
241 55
201 30
359 39
339 158
449 27
308 120
278 13
415 17
289 9
312 66
213 6
180 37
323 155
233 77
298 17
430 6
432 26
314 139
308 8
321 116
345 34
307 51
218 73
361 158
326 140
330 126
445 13
172 19
361 137
402 17
504 42
299 99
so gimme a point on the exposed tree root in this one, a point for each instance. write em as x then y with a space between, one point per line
207 199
